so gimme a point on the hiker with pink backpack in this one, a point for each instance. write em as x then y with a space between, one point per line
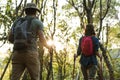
88 49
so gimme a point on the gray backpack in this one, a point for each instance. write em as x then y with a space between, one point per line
22 34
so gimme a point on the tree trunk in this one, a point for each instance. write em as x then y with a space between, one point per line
50 69
108 64
60 75
41 53
103 49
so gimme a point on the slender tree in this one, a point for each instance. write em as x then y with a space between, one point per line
50 71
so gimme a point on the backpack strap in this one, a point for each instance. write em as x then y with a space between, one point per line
93 44
24 19
29 24
19 19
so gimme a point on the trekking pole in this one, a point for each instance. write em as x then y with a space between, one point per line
100 70
5 67
74 66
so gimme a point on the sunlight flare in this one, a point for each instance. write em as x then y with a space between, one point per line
50 43
57 45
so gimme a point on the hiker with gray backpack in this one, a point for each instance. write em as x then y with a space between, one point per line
88 49
24 34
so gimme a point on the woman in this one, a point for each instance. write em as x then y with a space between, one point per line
89 63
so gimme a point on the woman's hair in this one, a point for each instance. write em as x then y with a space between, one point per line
89 31
30 11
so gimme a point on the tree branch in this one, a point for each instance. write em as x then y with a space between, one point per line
108 6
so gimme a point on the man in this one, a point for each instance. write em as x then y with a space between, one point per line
89 63
28 58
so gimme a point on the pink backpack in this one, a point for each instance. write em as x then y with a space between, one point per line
87 45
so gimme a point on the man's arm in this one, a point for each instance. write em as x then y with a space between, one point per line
11 31
42 38
10 36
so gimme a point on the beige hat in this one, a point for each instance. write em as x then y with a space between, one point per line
32 5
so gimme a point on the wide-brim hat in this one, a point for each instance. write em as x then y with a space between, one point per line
31 6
